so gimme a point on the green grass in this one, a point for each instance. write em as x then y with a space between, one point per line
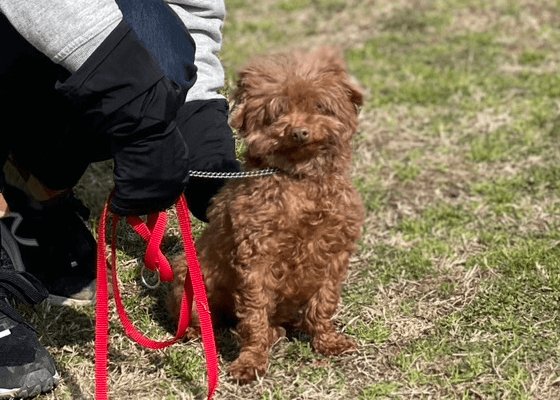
416 68
379 390
454 292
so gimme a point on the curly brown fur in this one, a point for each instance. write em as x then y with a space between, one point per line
277 248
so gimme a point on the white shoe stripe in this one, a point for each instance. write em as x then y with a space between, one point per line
5 333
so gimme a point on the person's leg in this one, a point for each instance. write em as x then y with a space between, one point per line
203 120
49 229
204 20
54 242
119 103
122 102
4 209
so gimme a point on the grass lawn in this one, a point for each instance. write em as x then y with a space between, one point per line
455 290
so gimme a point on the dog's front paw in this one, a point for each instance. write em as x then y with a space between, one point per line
276 333
193 332
333 344
248 366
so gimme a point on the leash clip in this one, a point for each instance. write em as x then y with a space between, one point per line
145 281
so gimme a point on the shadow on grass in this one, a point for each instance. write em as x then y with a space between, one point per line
225 335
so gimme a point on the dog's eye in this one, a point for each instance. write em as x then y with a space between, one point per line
270 117
323 109
274 109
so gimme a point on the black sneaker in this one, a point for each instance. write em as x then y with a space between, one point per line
53 243
26 368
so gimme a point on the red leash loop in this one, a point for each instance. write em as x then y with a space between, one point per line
153 233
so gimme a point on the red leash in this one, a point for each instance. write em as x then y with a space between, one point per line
152 233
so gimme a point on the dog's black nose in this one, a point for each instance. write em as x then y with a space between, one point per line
301 134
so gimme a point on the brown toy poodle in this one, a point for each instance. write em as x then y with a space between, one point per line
277 248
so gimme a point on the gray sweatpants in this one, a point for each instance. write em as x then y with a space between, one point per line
68 31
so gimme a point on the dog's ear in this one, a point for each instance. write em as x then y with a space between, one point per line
355 93
254 102
239 100
237 115
248 110
328 60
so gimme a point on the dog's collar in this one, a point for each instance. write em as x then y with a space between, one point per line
234 175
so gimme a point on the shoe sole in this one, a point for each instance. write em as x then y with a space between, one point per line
37 382
68 302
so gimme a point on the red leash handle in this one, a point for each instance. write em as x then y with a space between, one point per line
153 233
